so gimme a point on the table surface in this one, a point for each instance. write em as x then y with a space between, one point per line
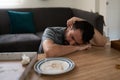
97 63
11 67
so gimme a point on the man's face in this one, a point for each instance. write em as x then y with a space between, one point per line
74 37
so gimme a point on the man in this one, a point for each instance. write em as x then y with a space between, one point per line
78 35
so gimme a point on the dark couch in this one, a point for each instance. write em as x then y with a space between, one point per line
43 17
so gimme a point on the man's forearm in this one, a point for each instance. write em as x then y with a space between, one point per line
61 50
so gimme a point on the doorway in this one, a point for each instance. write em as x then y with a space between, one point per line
113 19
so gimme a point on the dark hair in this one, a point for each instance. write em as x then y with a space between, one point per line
86 28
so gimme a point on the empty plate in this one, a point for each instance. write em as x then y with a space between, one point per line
53 66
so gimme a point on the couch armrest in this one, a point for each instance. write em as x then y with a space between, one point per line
95 19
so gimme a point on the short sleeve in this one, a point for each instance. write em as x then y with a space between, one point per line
54 33
48 34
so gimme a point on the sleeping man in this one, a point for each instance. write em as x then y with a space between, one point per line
78 35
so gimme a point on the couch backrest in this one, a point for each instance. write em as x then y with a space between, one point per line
4 22
52 16
43 17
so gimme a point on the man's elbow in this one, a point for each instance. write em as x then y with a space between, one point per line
49 53
102 43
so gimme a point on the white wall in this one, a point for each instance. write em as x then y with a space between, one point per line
9 3
102 9
113 19
35 3
47 3
88 5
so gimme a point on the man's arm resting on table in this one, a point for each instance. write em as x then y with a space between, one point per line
98 39
52 50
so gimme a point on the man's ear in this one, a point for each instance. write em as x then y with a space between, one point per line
69 28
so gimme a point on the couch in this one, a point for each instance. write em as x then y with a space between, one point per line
42 17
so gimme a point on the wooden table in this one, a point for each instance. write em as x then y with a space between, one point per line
97 63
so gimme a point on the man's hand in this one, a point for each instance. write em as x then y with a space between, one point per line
84 47
72 20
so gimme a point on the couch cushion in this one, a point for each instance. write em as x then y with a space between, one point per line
21 22
39 34
19 42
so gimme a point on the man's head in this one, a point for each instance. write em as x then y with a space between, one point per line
80 33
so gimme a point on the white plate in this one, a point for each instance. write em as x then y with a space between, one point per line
54 66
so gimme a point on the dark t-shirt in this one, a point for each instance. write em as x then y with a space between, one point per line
54 33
